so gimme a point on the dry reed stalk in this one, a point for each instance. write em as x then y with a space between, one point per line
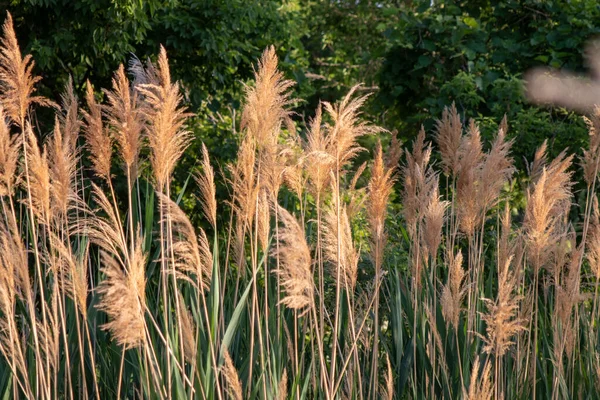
389 380
17 84
167 139
548 202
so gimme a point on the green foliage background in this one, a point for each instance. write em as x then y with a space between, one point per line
415 56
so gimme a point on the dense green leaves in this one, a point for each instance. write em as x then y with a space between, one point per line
474 53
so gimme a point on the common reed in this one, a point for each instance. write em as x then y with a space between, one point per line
318 276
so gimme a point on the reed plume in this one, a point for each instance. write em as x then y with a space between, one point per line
234 386
16 79
380 187
501 317
39 177
191 252
454 291
480 386
318 161
206 182
266 102
63 166
448 137
123 297
99 141
591 156
433 221
347 128
419 180
125 117
547 200
9 156
166 137
282 387
188 328
295 263
346 259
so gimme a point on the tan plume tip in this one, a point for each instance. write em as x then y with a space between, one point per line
347 127
266 101
17 83
125 117
394 152
206 181
295 262
593 240
232 379
433 221
99 141
449 135
167 137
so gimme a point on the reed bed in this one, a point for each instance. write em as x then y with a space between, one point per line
307 283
